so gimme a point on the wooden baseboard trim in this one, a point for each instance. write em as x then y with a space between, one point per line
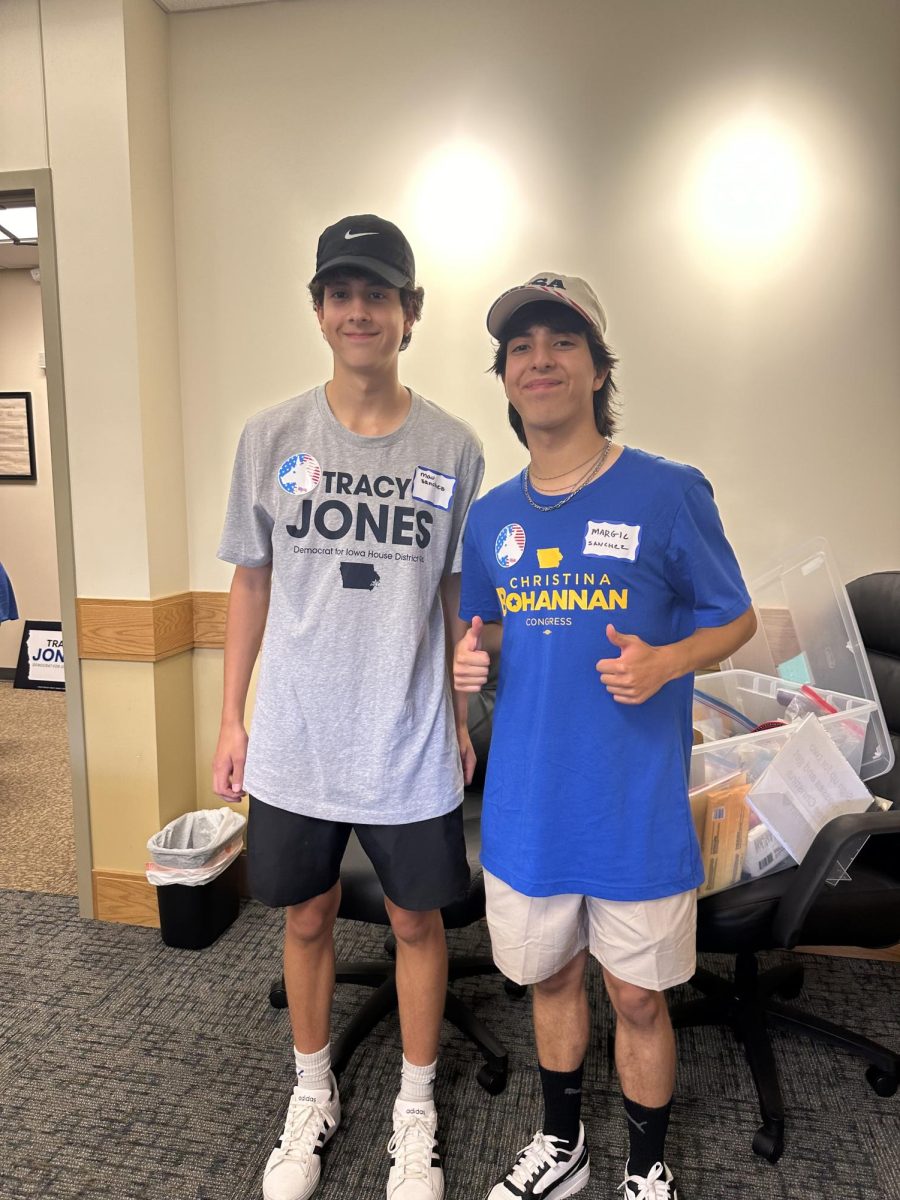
125 897
890 954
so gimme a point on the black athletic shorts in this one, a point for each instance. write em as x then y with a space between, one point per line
292 858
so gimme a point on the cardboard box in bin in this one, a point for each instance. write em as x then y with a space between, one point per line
722 821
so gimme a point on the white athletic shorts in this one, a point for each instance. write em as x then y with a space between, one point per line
649 943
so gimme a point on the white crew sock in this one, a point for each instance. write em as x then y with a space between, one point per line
417 1083
314 1070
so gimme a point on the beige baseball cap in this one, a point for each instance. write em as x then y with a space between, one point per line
548 285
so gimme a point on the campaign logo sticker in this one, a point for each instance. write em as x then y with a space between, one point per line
612 539
510 545
433 487
299 474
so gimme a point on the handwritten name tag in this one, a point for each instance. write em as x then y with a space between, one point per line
605 539
431 487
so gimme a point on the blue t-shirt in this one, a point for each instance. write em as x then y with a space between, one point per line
583 794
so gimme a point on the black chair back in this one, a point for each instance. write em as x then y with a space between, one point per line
876 606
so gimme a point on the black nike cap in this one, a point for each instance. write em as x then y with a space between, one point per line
368 242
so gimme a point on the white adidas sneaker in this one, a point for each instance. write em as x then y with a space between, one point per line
416 1172
295 1165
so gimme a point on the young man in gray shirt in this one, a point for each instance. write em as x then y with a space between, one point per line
344 524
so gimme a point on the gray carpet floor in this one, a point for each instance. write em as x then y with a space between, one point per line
37 846
130 1071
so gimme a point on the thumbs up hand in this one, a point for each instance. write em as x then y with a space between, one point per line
471 662
639 671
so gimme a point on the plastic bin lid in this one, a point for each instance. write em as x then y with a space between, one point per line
807 633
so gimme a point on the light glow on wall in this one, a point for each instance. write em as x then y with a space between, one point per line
751 195
464 203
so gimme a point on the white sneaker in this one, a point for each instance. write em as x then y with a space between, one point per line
294 1166
416 1172
658 1185
540 1170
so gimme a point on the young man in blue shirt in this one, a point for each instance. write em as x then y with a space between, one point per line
607 576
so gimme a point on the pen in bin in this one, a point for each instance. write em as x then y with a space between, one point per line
813 702
818 700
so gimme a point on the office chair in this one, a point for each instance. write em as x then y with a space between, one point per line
875 600
363 900
797 907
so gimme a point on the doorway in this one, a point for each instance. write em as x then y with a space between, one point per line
44 818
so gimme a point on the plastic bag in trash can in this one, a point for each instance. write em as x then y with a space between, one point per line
195 848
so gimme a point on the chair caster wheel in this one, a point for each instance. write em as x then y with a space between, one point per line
881 1082
516 990
492 1080
278 995
768 1145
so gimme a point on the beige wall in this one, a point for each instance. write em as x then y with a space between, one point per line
782 389
23 142
139 736
207 707
156 313
27 528
84 61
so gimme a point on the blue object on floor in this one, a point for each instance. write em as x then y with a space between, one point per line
8 610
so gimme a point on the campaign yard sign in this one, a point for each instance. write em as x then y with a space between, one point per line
41 663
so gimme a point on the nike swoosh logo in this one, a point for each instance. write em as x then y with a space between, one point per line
348 235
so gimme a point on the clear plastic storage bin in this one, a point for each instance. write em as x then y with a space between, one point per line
807 637
806 634
754 696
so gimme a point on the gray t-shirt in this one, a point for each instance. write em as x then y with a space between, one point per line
353 718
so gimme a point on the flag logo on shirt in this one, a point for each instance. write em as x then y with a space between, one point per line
299 474
510 545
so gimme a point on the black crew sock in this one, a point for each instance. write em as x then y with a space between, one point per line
647 1129
562 1104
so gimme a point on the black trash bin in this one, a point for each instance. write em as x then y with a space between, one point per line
197 852
191 918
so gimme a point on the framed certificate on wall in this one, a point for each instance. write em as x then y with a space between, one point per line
17 461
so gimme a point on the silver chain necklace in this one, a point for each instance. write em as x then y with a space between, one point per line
582 483
550 478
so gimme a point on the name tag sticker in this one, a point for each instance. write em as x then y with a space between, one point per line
431 487
607 539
